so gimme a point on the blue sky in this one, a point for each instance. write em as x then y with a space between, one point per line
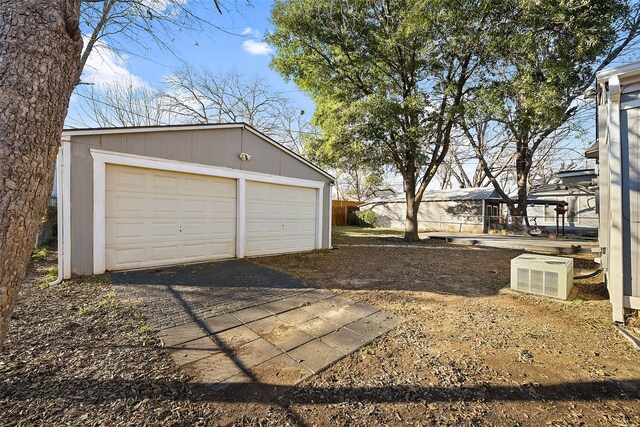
237 44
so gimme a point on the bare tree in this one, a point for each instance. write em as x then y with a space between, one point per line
124 104
41 62
495 154
198 95
120 23
359 184
462 167
533 104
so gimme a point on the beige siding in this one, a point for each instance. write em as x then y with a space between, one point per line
215 147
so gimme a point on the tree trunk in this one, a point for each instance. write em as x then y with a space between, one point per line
40 46
523 166
411 218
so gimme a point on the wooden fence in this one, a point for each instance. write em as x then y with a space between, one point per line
340 210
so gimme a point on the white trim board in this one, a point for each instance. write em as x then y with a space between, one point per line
135 160
632 302
177 128
623 71
64 200
101 158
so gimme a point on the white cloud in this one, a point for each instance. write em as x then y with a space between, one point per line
255 47
104 67
250 32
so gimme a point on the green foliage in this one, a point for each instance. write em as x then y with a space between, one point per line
362 218
547 58
385 76
50 276
392 80
40 253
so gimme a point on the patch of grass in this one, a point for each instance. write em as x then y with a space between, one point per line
40 253
597 324
352 231
144 330
50 276
86 310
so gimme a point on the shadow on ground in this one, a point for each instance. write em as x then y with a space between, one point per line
227 274
94 391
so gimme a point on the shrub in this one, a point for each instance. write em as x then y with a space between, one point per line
362 218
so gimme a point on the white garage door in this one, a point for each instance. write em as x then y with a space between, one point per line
279 218
156 217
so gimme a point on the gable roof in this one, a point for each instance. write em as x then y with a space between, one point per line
593 151
205 126
455 194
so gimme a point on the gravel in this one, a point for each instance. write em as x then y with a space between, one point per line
76 355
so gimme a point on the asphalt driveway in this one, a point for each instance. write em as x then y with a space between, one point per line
234 322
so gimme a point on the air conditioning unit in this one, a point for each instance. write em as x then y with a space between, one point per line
542 275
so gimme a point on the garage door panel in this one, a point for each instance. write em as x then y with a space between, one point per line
279 218
123 230
281 227
159 217
126 204
140 180
277 244
140 231
165 184
127 179
164 205
163 253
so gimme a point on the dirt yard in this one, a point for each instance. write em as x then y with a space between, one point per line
465 353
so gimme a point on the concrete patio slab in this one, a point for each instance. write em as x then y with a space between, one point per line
316 355
235 338
383 318
338 301
318 308
296 317
318 327
368 328
250 314
234 322
220 323
214 369
305 298
176 335
281 370
194 350
287 337
256 352
344 340
361 309
267 325
341 316
277 307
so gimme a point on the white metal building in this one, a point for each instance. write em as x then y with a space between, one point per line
619 184
468 210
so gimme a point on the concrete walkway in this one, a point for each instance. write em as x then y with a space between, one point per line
526 243
234 322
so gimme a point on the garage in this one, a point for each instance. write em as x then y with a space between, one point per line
145 197
280 219
156 217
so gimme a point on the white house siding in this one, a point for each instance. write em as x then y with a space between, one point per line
456 216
